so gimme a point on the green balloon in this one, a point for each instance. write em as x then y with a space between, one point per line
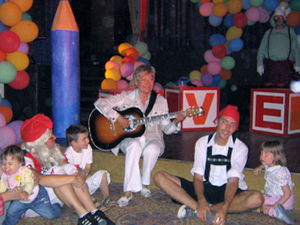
142 48
227 63
256 3
8 72
194 1
222 83
295 5
26 16
147 55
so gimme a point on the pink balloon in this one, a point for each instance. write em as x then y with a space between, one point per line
24 47
112 65
263 15
214 68
2 120
7 136
198 83
209 57
137 64
206 9
16 125
126 69
122 84
253 14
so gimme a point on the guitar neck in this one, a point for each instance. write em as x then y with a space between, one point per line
145 120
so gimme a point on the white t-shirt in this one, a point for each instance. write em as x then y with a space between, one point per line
277 177
79 160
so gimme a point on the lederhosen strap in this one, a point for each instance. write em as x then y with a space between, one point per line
219 160
151 103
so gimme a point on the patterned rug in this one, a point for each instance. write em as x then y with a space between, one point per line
157 210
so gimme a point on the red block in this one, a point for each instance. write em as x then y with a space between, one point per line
181 98
275 111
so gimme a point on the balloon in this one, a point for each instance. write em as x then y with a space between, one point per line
209 57
147 56
214 68
227 63
171 84
207 79
236 45
22 80
8 72
27 30
116 58
16 126
137 64
263 15
26 16
122 84
295 5
128 59
197 83
112 65
218 1
293 19
132 52
253 14
112 74
240 20
217 39
219 9
219 51
141 47
24 5
295 86
2 27
233 32
126 69
2 56
122 48
158 88
228 21
2 120
7 137
214 20
4 101
10 13
225 74
216 80
143 60
222 83
204 69
183 80
6 112
18 59
9 41
24 47
206 9
107 84
234 6
270 5
246 4
195 75
256 3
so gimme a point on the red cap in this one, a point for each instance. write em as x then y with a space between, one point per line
231 111
32 129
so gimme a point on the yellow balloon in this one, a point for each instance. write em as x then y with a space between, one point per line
218 1
116 58
219 9
24 5
107 84
233 32
112 74
195 75
19 59
123 47
235 6
10 13
26 30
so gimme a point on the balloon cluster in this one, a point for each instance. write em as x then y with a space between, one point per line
9 130
235 15
16 31
119 68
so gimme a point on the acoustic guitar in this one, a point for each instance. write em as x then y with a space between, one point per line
106 135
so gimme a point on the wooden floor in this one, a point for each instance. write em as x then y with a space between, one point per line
181 146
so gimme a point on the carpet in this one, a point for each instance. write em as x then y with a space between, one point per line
157 210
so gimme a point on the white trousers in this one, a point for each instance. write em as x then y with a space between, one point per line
134 149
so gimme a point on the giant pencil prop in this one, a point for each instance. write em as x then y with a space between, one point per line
65 69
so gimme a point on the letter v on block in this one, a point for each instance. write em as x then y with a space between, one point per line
207 102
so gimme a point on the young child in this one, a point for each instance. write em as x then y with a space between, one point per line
80 154
34 197
278 190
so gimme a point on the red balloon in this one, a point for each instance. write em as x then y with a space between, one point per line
240 20
2 56
22 80
219 51
128 59
9 41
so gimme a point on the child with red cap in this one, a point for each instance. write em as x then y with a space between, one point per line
218 187
45 156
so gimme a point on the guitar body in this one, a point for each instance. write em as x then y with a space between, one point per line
106 135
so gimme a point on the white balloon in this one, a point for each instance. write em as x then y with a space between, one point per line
295 86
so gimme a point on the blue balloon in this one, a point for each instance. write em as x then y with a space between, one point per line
236 45
146 61
297 29
217 39
183 80
246 4
228 21
215 20
271 5
216 80
5 102
2 27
